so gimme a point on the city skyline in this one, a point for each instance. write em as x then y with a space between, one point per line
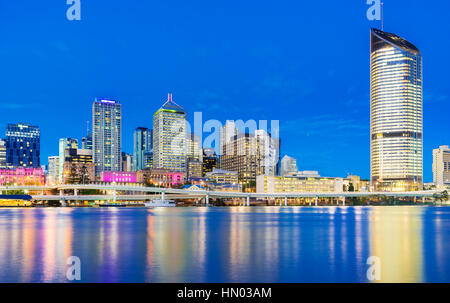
302 136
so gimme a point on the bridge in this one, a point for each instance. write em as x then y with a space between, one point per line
141 193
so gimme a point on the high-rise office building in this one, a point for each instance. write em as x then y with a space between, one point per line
396 113
148 159
169 137
441 166
2 153
210 160
53 170
250 155
127 162
64 145
86 142
107 135
194 147
288 166
142 144
23 145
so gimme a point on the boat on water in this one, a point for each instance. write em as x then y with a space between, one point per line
111 205
160 203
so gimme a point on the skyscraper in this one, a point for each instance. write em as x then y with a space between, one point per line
86 142
142 144
250 155
23 145
169 137
396 113
65 144
107 135
53 170
441 166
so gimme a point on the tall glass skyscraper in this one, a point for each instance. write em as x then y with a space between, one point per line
396 113
23 144
142 144
169 137
107 135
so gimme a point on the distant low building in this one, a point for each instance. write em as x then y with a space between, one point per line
273 184
354 183
225 187
160 177
306 174
220 176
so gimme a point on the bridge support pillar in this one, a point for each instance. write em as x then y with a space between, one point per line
63 203
248 200
309 202
163 197
75 192
285 201
316 201
423 200
207 199
115 196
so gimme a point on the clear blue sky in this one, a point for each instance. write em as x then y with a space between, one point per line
305 63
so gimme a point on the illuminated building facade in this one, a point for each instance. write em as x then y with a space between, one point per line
220 176
22 176
250 155
441 166
65 144
278 184
160 177
107 135
2 153
396 113
23 145
142 144
118 176
78 166
169 137
210 161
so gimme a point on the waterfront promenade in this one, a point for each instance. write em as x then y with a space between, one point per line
133 193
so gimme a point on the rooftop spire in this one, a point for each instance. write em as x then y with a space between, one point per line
169 98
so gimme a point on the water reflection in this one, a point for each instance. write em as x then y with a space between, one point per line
240 244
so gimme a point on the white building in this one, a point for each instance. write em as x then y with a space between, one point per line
441 166
288 166
107 135
169 137
53 170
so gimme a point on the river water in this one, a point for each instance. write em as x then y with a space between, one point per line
226 244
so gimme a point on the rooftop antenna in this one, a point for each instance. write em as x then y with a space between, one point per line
87 122
382 16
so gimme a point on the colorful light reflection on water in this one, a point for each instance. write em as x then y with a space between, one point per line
258 244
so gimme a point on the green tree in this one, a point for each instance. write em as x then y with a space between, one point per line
351 187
